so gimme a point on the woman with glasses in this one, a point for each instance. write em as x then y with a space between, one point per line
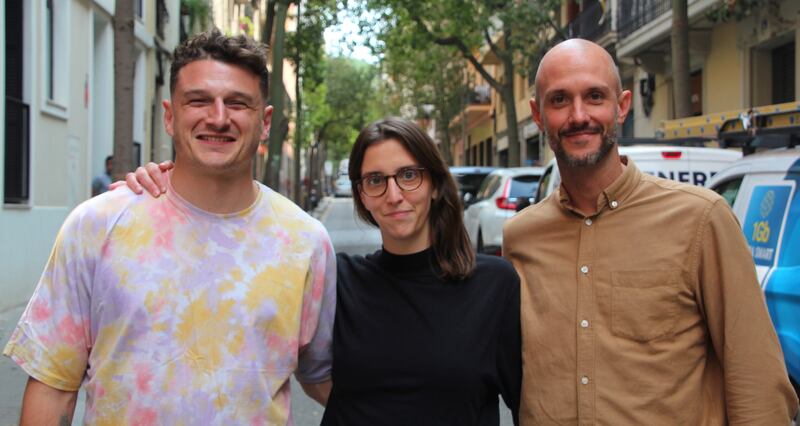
426 332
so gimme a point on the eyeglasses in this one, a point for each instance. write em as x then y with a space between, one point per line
407 179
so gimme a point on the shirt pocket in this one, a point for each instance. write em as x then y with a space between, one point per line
644 304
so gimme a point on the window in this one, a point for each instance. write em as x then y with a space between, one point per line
488 187
696 92
138 8
55 54
783 73
17 113
544 182
729 189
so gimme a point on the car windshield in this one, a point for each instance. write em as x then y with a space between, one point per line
523 186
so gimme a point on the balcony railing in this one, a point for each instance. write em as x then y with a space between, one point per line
591 24
17 152
480 95
634 14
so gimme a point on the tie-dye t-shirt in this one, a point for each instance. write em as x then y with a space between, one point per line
171 315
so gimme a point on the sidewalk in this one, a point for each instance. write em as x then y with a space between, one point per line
14 378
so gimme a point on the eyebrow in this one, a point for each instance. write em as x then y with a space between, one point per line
375 172
235 94
604 89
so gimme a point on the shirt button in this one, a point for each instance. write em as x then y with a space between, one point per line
584 324
584 380
588 222
614 204
585 269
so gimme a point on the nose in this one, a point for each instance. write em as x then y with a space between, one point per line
393 192
578 114
218 114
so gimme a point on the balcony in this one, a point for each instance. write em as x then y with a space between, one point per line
592 23
480 95
634 14
477 108
17 152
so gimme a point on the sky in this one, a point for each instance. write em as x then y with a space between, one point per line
344 39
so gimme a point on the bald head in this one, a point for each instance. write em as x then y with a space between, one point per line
577 53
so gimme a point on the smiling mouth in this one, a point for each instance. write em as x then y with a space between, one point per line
218 139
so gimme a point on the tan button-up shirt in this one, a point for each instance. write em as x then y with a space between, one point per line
646 313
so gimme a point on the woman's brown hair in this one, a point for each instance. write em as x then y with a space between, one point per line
449 239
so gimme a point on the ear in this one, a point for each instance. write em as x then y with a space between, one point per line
624 105
266 122
168 117
536 114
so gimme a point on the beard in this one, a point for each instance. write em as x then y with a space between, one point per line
607 142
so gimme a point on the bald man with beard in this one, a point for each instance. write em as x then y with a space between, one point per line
640 303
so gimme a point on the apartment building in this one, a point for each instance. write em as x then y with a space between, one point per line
737 64
57 121
741 63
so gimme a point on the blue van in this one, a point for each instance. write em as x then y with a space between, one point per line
762 190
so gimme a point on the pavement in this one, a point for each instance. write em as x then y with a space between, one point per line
14 378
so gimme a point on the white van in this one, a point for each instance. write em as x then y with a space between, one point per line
695 165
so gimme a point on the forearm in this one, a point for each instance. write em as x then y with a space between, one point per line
47 406
318 391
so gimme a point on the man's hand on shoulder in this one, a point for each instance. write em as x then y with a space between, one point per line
151 177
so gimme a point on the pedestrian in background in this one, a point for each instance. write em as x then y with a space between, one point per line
426 333
640 303
101 182
192 308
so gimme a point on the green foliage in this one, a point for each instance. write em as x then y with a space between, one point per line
727 10
514 33
199 13
340 105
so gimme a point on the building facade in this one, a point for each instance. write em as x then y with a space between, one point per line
57 121
741 58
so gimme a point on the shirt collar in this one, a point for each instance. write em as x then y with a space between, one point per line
614 195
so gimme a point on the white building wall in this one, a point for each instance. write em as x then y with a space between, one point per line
69 135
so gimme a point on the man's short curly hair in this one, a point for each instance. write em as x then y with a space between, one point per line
236 50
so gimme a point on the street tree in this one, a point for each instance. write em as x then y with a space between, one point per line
434 75
124 68
305 51
509 33
277 91
680 58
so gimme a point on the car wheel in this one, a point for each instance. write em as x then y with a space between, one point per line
480 241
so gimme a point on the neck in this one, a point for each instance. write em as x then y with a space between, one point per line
585 184
214 193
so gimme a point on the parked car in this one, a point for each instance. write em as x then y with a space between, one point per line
468 179
695 165
495 202
342 186
762 190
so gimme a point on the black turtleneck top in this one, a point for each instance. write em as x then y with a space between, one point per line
412 349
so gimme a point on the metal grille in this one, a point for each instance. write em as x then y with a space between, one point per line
634 14
591 24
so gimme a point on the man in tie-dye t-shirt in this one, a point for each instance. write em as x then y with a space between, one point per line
195 307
